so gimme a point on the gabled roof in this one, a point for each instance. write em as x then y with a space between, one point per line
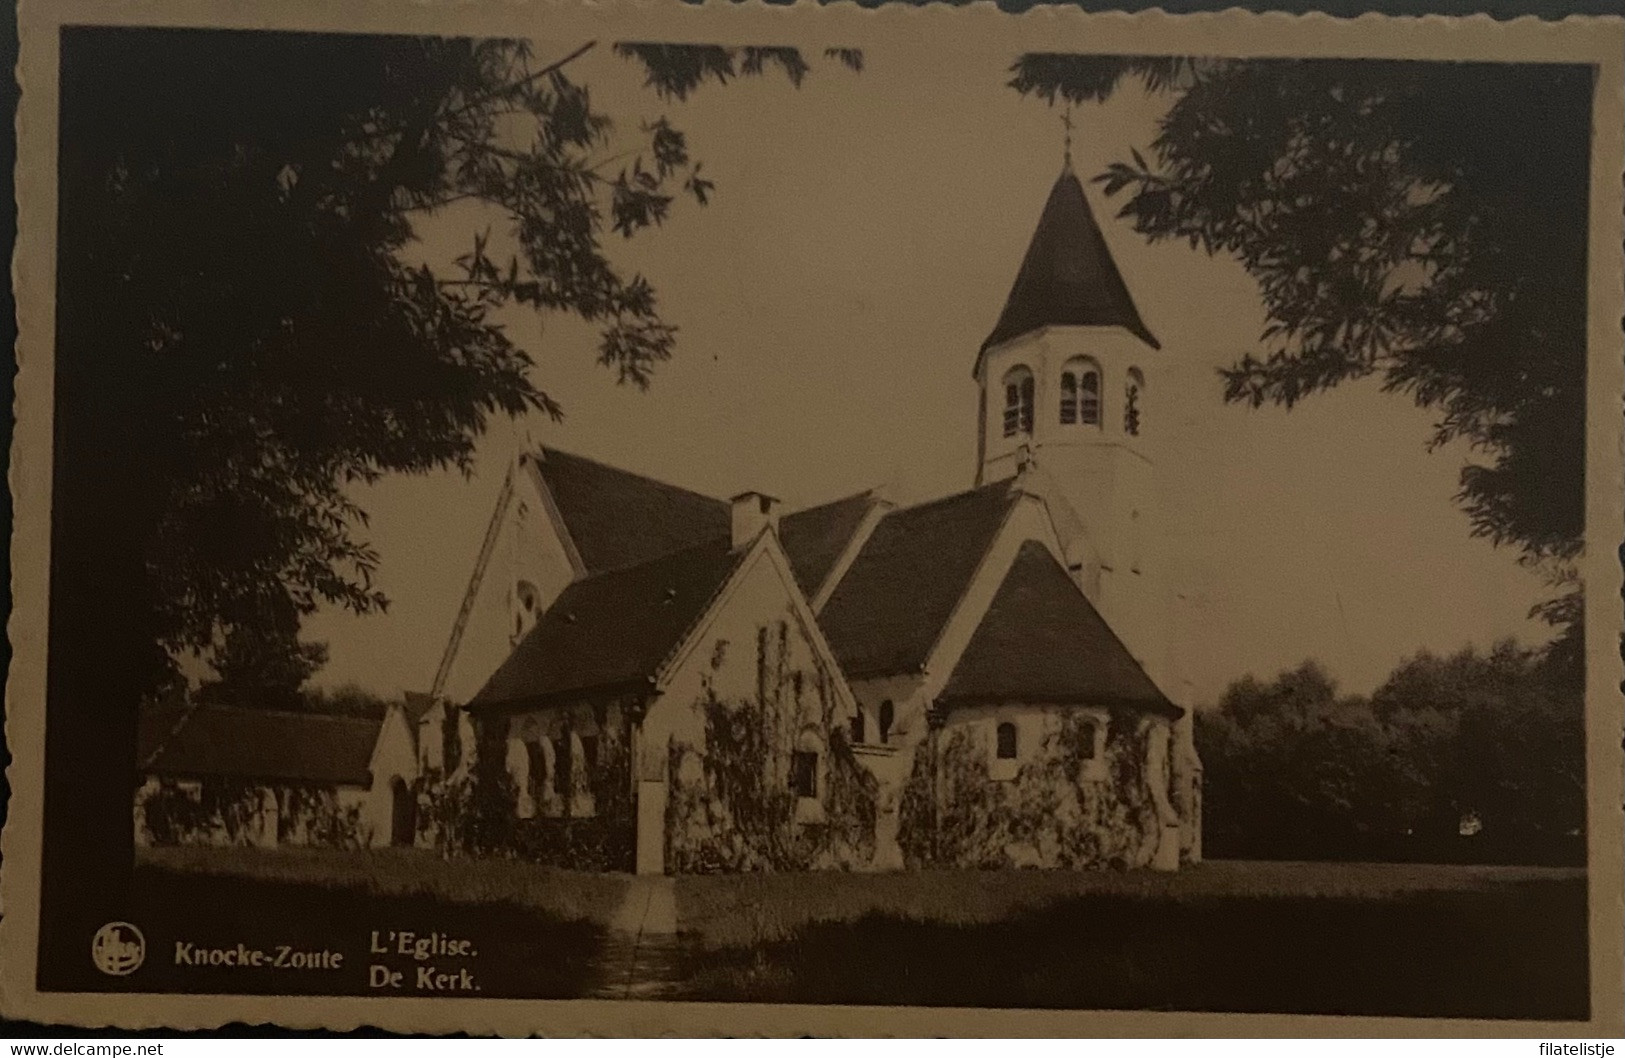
416 706
318 749
612 630
1041 641
1068 277
616 518
814 539
156 721
891 606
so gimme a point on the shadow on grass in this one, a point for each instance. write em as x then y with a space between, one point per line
518 952
1514 952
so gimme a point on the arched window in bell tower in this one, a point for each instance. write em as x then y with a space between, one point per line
1133 395
1018 401
527 607
1080 393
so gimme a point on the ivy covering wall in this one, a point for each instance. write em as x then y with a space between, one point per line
444 796
603 839
1049 815
731 806
226 811
476 811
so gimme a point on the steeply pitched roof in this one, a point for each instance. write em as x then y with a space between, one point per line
416 705
1041 641
814 539
887 612
156 722
1068 276
316 749
613 629
616 518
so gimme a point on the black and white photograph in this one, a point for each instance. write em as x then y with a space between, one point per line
799 508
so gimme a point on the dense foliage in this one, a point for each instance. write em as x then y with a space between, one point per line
731 807
1053 813
1477 757
247 327
222 810
732 804
247 333
1421 223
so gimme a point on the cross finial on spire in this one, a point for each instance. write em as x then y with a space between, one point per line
1066 120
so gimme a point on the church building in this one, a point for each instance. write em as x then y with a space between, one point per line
644 678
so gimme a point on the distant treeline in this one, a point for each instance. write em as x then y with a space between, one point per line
1470 758
346 700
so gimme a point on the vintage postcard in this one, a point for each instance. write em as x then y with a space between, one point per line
640 518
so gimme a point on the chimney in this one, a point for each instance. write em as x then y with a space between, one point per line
752 512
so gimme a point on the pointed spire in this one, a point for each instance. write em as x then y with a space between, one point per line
1067 277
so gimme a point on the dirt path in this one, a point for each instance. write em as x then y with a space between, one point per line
639 959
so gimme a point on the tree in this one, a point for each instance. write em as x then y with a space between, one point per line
1515 755
242 335
1294 770
347 700
262 672
1423 223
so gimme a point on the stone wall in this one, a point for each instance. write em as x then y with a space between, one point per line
551 785
1081 795
731 804
223 811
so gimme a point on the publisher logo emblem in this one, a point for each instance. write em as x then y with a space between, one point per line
118 949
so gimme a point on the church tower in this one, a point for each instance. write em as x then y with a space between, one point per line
1069 407
1068 381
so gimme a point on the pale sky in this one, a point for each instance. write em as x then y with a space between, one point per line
864 234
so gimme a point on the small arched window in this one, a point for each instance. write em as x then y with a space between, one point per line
860 733
527 605
519 768
562 761
536 760
1006 741
1019 390
1133 394
804 765
887 715
1086 740
1080 393
1089 398
451 741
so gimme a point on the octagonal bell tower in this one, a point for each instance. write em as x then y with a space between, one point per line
1068 381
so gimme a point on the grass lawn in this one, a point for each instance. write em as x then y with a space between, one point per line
727 910
1373 939
389 872
1312 938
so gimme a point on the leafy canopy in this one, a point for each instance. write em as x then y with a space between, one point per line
1294 769
242 336
1423 223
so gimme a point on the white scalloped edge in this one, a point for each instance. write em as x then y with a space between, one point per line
1533 35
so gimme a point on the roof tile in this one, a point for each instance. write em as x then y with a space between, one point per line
617 519
1068 277
614 629
1042 641
814 539
305 748
891 606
